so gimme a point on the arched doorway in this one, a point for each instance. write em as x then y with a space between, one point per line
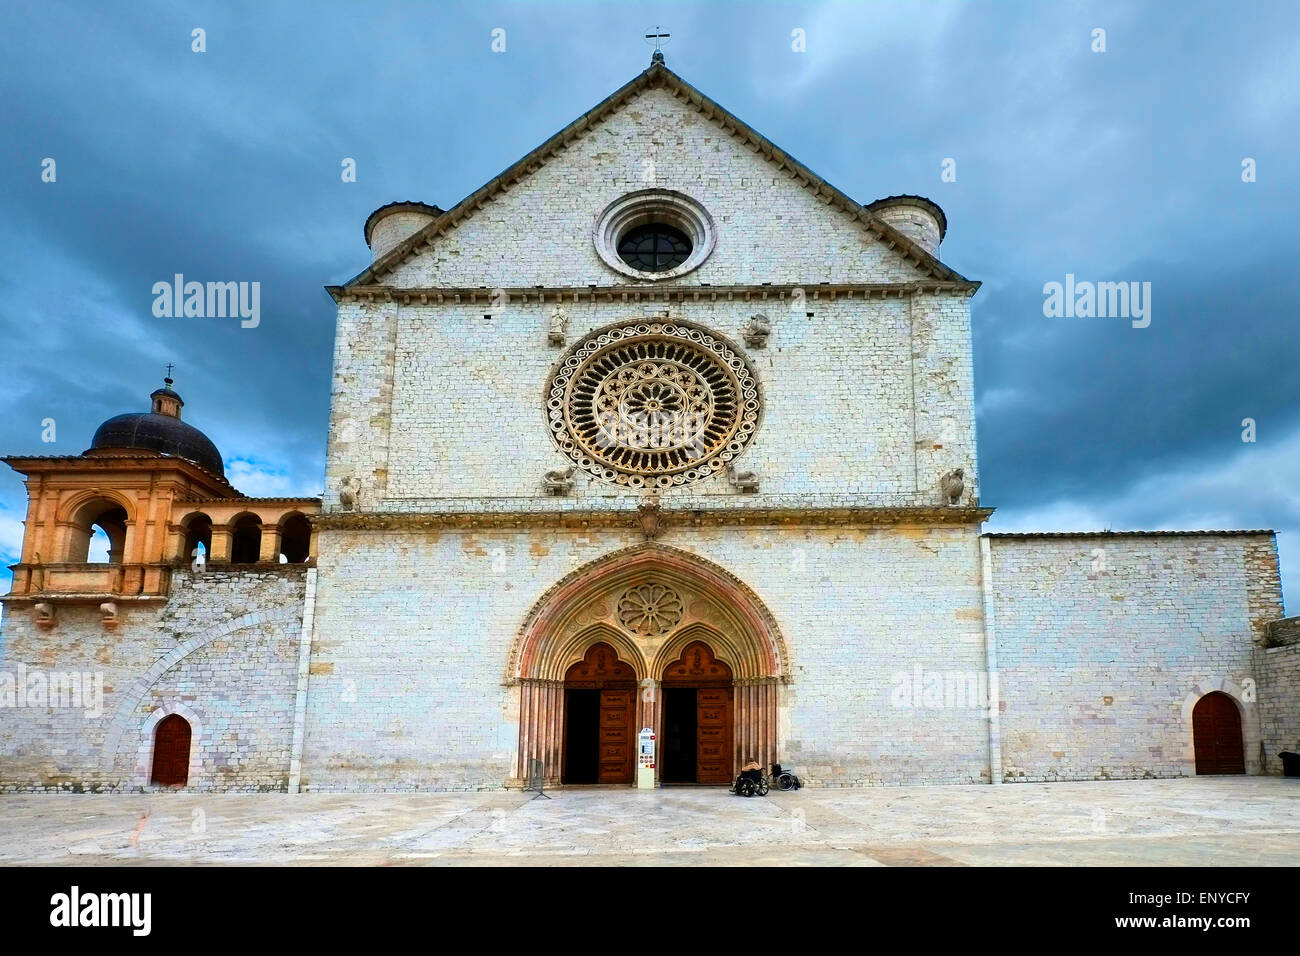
171 752
649 604
698 711
1216 735
599 711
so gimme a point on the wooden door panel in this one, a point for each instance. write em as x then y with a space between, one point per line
1216 736
171 752
713 727
615 736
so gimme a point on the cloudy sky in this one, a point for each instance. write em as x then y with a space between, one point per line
1117 165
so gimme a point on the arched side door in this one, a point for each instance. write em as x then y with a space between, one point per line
171 752
1216 735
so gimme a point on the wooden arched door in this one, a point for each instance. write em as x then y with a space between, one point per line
171 752
696 739
1216 735
599 713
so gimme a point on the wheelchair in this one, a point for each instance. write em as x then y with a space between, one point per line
784 779
750 783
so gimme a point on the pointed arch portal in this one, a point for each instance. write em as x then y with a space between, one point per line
664 634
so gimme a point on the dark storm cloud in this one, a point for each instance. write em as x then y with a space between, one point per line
1123 165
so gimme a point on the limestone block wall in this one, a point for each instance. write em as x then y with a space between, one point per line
1105 642
1279 694
221 651
864 398
770 227
413 630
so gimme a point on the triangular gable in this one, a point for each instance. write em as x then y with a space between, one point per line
657 75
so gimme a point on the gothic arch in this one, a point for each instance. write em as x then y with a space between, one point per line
590 605
144 753
730 608
578 644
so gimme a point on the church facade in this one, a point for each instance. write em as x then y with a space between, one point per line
657 429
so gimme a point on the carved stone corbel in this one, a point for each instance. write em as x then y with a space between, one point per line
108 614
756 331
44 615
745 482
559 481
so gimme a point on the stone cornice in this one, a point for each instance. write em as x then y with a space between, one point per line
464 295
48 464
627 518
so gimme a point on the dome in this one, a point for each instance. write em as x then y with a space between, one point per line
160 430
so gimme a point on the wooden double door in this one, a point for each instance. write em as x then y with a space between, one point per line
696 744
599 719
1216 735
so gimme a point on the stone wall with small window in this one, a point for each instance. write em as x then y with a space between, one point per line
222 651
1106 641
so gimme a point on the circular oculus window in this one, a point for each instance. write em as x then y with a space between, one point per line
654 234
652 405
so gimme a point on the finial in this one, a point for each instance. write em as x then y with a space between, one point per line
658 36
167 380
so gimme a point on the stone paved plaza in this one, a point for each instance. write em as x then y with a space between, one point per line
1199 821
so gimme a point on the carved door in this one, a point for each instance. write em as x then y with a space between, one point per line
171 752
614 683
712 680
713 725
615 736
1216 735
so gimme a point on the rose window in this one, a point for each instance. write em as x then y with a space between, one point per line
653 405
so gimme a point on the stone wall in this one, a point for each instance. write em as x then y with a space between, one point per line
435 402
457 410
1279 691
1106 641
771 228
221 651
408 686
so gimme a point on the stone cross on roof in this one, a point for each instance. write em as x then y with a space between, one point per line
658 36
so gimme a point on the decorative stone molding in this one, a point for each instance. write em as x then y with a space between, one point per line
654 206
715 606
651 517
108 615
650 295
756 331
